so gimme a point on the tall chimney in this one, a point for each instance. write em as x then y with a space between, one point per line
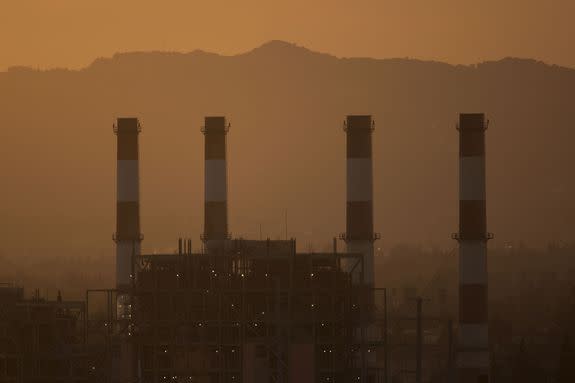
473 355
127 237
359 234
216 188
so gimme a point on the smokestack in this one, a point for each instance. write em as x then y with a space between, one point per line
359 234
127 237
473 355
216 188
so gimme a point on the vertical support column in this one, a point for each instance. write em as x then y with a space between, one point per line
450 369
359 234
215 187
473 348
385 338
128 237
419 341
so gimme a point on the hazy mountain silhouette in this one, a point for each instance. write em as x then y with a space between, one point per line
286 146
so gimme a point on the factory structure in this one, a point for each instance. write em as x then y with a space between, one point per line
250 311
246 310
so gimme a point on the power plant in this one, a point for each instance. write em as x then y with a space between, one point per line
254 311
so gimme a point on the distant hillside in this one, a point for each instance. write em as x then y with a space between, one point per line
286 146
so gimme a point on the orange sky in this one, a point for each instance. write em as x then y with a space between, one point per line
71 33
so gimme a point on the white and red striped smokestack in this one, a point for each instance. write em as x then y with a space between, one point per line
473 350
128 237
216 187
359 234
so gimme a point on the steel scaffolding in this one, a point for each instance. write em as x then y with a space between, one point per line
253 311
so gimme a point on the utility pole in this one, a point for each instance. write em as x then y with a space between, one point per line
418 355
286 223
450 352
385 338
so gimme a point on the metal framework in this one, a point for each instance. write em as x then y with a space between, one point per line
41 340
255 312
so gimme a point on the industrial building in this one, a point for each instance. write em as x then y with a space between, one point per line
252 311
245 310
41 341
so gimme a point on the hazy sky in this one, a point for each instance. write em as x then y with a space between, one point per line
71 33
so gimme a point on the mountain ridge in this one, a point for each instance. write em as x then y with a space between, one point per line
274 48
